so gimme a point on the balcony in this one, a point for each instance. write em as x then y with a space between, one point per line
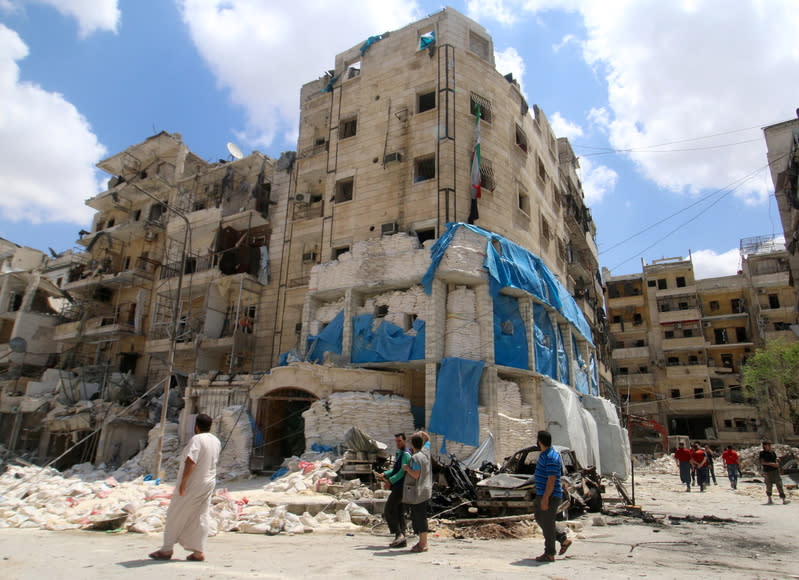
111 272
774 280
634 380
682 371
684 343
625 301
96 329
638 352
672 316
684 291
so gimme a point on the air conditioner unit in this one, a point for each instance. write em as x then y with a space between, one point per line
388 158
707 324
388 228
302 198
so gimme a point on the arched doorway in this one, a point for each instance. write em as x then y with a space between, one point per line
281 427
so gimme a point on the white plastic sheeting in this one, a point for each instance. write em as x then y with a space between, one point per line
569 423
614 443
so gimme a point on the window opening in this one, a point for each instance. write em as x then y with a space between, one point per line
344 190
424 169
486 111
349 127
521 139
426 102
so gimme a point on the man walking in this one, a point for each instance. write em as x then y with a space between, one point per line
732 462
683 458
548 495
771 472
710 467
699 461
394 511
187 515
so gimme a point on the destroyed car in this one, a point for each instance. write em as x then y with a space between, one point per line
512 490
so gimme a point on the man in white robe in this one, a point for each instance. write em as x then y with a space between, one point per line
187 516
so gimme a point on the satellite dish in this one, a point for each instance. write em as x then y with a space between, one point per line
234 151
18 344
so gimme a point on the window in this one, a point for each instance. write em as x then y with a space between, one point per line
726 361
521 139
478 45
623 370
714 305
542 171
545 233
478 102
354 70
646 396
348 128
427 39
126 264
662 284
487 175
338 251
637 320
344 190
740 334
137 215
110 223
699 393
735 303
426 102
651 283
524 202
682 306
720 334
773 301
675 393
782 326
426 234
669 334
728 423
424 169
672 361
693 360
616 319
680 281
687 333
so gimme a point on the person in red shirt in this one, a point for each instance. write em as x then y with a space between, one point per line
699 461
683 458
732 462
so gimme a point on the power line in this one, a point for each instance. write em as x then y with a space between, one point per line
652 150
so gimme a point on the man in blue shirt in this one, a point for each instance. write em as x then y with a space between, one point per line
548 495
394 510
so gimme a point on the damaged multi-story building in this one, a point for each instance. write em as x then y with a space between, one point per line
427 244
678 343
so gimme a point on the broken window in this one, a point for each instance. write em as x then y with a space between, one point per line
137 215
673 361
344 190
521 139
714 305
675 393
426 102
478 45
348 128
773 301
699 393
720 334
682 306
662 284
637 319
726 361
110 223
735 303
484 105
545 232
669 334
542 171
740 334
524 202
426 234
424 169
338 251
651 283
680 281
782 326
354 70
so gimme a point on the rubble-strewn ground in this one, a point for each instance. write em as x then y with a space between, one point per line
761 542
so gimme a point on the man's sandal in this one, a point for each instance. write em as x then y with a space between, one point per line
545 558
159 555
564 546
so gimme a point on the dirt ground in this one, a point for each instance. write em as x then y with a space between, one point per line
760 541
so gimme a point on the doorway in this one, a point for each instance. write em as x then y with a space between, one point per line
281 427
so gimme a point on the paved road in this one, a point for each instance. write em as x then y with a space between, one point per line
762 544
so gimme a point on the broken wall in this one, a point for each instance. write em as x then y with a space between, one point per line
570 424
614 442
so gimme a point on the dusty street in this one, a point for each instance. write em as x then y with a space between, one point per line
761 543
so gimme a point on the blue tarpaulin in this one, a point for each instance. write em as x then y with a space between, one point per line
581 375
454 413
514 267
545 359
427 39
563 359
369 42
329 340
510 334
388 343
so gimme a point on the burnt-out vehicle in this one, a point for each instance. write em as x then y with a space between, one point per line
512 490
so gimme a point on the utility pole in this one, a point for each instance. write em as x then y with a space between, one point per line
174 325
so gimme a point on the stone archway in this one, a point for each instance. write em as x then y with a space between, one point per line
280 426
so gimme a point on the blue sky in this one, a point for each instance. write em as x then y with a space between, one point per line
663 101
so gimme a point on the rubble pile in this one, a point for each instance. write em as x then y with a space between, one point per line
305 476
750 457
328 420
44 498
234 430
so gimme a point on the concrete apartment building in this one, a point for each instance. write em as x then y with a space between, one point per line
338 260
679 343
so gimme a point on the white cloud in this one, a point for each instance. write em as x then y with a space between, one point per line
509 61
263 51
709 264
677 71
567 39
597 180
49 150
91 14
563 128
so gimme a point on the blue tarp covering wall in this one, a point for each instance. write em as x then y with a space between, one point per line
545 359
513 267
329 340
581 378
510 334
388 343
454 413
563 360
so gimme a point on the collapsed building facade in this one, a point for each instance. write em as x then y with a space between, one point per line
679 343
378 277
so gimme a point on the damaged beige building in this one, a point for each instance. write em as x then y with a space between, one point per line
679 343
351 266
